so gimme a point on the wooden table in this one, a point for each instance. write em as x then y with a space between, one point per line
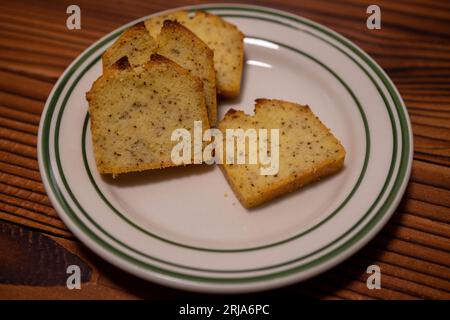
413 47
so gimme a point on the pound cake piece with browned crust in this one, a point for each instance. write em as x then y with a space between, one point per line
135 43
222 37
135 110
178 44
308 151
183 47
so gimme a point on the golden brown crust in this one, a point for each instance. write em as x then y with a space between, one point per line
121 64
138 26
169 23
154 24
160 58
233 114
103 169
289 185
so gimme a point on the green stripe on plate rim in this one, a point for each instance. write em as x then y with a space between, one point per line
403 168
331 215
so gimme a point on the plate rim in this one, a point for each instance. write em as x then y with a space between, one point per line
390 87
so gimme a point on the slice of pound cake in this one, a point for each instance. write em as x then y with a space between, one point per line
183 47
176 43
308 151
222 37
135 110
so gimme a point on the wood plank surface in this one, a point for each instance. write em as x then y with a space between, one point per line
413 250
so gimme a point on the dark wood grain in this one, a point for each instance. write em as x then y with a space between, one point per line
413 250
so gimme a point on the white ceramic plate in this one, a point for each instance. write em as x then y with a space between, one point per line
184 227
